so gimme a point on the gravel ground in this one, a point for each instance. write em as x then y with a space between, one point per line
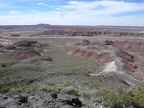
42 99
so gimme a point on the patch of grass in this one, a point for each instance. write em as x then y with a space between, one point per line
48 87
20 73
6 59
64 64
19 88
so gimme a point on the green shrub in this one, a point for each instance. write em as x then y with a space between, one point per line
111 98
85 94
5 89
3 65
48 87
122 99
138 99
70 90
76 92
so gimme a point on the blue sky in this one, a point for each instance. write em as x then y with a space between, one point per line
72 12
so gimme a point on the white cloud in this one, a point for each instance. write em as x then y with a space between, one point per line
42 4
14 12
3 5
104 7
34 11
81 13
72 18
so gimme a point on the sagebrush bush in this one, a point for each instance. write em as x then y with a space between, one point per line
122 99
138 99
3 65
111 98
70 90
85 94
5 90
48 87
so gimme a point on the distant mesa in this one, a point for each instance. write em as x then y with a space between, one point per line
23 26
41 24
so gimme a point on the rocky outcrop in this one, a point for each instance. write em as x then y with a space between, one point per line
108 52
15 35
136 47
101 57
1 45
23 54
128 60
9 47
40 99
108 42
87 32
133 46
2 50
24 49
26 43
83 42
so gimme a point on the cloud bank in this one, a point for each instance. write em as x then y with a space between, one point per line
105 12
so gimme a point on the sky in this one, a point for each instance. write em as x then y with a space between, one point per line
72 12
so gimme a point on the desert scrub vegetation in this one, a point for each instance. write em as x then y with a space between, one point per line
64 64
60 64
4 89
70 90
3 65
18 88
122 99
6 61
48 87
28 87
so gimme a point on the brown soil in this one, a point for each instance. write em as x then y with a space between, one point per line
83 42
23 54
91 52
105 57
2 50
23 49
9 47
130 46
128 60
